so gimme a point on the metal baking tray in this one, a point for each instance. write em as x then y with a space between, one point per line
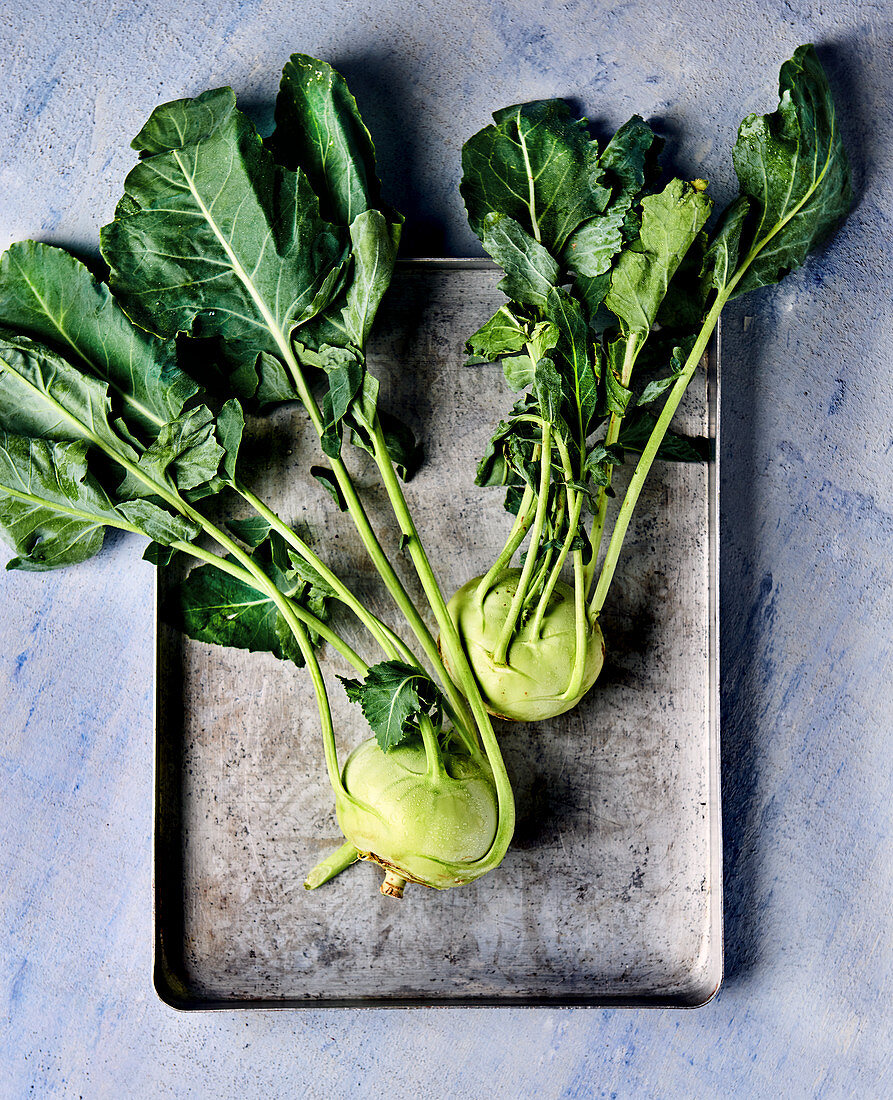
611 891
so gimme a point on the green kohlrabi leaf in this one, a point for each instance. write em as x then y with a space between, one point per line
502 335
47 294
793 168
628 160
547 387
211 606
591 248
310 575
374 241
329 482
319 129
344 368
407 453
659 386
220 239
52 512
636 431
42 395
617 395
185 455
671 220
578 351
537 165
230 426
519 370
392 697
530 272
600 460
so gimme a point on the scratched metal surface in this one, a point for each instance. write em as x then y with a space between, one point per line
611 890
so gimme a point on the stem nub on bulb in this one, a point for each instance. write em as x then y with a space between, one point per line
393 884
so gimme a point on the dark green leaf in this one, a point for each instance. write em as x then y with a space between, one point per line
185 455
273 385
224 241
499 336
230 425
374 242
252 531
407 453
310 575
625 165
52 512
547 387
392 697
629 160
47 294
319 129
617 395
793 168
579 352
671 220
212 606
637 428
329 482
530 272
659 386
44 396
537 165
158 524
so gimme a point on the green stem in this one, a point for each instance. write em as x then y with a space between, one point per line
456 654
393 646
651 448
539 579
331 866
575 507
500 652
517 535
381 562
436 769
357 512
630 354
581 629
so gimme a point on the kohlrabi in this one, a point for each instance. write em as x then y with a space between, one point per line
263 262
608 269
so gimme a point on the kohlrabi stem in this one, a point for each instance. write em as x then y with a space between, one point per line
581 631
436 769
393 646
373 547
331 866
651 448
634 343
539 579
517 535
452 644
574 507
508 628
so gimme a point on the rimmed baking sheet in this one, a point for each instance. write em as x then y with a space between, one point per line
611 892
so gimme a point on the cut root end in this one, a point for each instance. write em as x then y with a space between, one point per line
393 884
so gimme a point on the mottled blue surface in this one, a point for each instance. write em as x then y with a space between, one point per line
807 561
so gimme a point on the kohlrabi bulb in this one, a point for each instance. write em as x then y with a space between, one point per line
418 827
531 686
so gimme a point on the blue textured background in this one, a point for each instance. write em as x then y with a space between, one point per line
807 560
